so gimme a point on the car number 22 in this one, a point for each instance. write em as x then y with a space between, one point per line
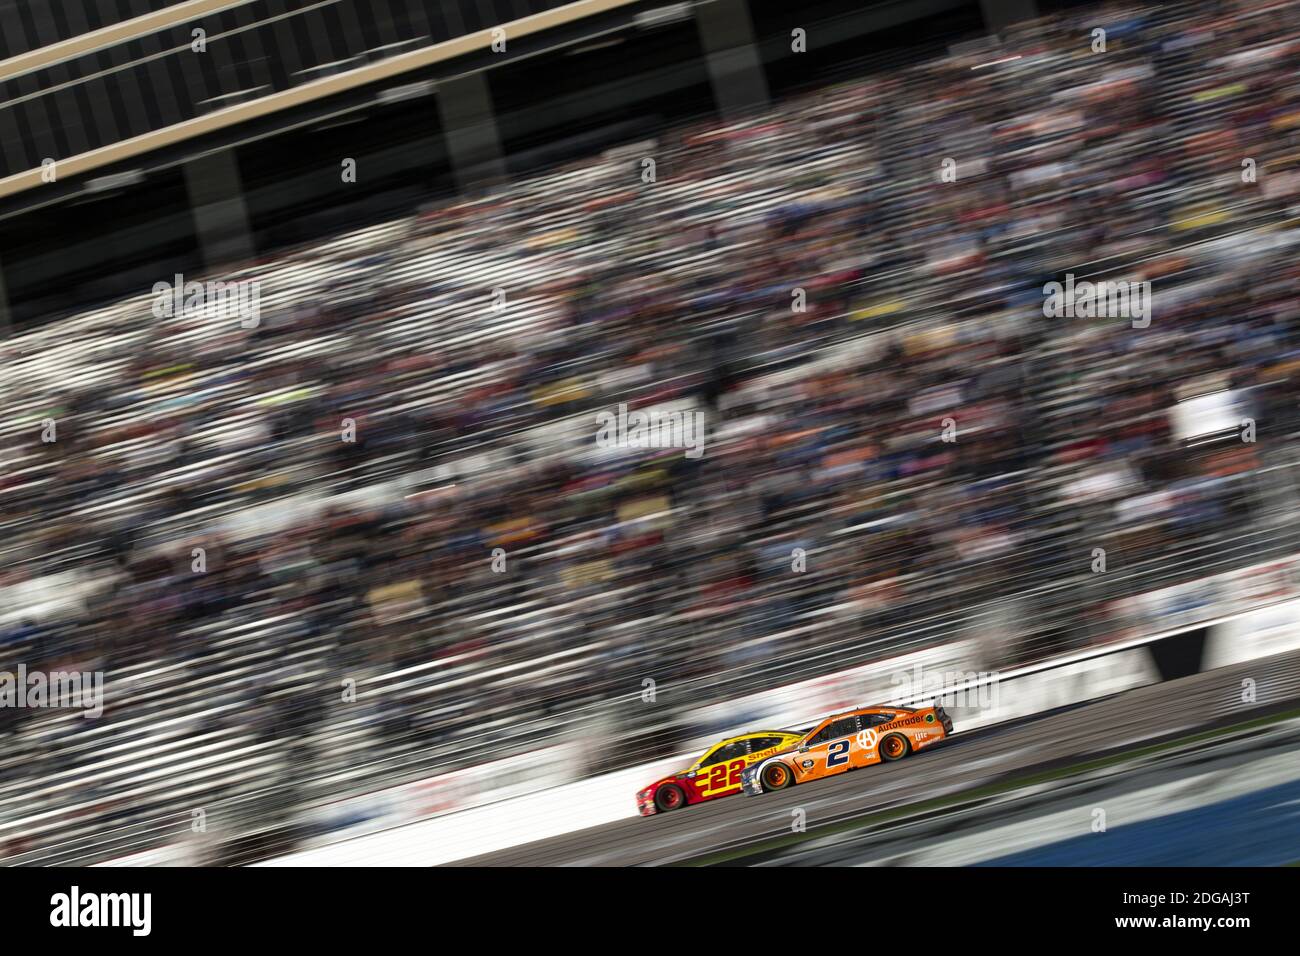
726 775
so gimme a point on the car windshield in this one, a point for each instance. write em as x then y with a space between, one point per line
822 734
704 757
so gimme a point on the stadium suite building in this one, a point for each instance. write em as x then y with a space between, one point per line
148 138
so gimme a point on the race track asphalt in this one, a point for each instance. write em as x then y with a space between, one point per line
967 761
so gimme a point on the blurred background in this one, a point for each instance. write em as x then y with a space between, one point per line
499 270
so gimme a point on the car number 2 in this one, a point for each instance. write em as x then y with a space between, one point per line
838 753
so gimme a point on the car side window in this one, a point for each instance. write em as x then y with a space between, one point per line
723 754
871 720
762 743
844 727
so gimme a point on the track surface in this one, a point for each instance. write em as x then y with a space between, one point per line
964 762
1231 799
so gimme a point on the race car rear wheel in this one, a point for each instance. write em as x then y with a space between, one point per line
669 798
776 776
894 747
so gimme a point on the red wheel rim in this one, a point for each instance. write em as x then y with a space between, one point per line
672 798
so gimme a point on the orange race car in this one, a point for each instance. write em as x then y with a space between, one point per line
716 774
843 742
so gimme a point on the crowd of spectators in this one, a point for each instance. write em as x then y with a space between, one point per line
393 477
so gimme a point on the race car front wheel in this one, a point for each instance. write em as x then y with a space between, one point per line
894 747
776 776
669 798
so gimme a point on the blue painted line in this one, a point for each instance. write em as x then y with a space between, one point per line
1261 828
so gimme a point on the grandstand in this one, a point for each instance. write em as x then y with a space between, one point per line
369 562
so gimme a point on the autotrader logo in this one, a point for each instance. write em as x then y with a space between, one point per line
76 909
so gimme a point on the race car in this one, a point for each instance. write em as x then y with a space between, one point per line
846 741
716 774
